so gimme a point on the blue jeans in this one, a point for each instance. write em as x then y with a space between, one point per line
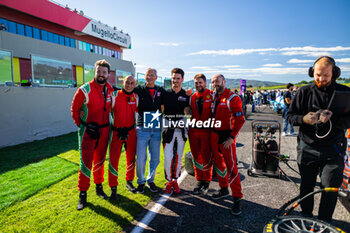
152 139
286 123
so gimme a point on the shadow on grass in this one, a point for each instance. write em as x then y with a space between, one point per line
108 214
131 206
17 156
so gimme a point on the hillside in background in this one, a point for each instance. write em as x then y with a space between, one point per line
235 83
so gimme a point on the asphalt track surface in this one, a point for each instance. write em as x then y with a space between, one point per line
263 196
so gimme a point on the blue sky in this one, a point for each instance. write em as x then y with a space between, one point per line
263 40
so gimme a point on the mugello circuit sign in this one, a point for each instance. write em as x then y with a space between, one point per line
107 33
64 16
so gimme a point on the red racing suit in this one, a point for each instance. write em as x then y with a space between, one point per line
95 102
124 108
199 138
227 108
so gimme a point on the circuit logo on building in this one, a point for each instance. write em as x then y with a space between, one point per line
106 33
152 120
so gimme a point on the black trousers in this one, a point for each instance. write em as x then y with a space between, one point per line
329 164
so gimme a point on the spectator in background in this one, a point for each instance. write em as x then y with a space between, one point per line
259 97
295 90
287 98
278 93
3 27
253 100
273 95
265 95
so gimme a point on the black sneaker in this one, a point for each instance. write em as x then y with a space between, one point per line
82 200
197 189
152 187
130 186
237 206
140 188
113 196
221 193
205 187
99 191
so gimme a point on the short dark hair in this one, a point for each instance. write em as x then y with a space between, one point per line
289 85
222 76
178 71
103 63
202 76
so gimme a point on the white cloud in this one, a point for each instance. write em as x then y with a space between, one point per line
311 51
288 51
297 61
273 65
258 71
231 52
229 66
306 53
286 70
169 44
316 49
344 60
201 68
271 70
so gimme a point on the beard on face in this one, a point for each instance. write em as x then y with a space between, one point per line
219 88
321 85
101 81
200 89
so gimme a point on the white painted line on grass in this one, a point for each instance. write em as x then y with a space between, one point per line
143 224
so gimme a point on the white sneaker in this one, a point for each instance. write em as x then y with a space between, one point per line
284 134
294 134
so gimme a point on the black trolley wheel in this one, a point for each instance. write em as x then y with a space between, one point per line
299 224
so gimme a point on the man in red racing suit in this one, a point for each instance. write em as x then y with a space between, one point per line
124 106
90 109
227 108
201 103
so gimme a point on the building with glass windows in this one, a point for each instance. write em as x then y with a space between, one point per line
46 50
51 45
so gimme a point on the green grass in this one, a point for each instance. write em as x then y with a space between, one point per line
16 185
14 157
51 206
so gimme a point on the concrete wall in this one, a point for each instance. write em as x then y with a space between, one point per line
34 113
23 47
